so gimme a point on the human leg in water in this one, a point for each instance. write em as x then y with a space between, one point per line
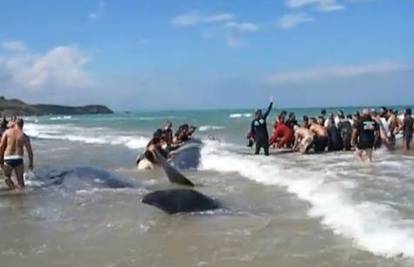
257 148
262 144
266 149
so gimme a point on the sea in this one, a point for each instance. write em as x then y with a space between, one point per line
287 209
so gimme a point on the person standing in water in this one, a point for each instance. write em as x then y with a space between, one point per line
345 129
335 142
12 145
321 136
365 132
258 130
408 129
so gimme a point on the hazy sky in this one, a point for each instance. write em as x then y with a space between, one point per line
162 54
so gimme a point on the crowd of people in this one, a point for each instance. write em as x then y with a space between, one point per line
12 145
363 131
163 142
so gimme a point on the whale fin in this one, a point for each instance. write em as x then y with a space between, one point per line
172 173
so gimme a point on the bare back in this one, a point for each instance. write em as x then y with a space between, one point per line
303 133
318 130
14 141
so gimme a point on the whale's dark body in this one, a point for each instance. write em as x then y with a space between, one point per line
82 178
180 200
187 156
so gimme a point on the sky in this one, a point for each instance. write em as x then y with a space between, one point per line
202 54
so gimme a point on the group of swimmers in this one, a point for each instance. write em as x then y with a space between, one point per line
12 145
363 131
163 142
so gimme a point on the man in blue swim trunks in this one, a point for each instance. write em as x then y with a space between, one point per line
12 145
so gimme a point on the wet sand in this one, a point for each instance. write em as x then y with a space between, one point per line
261 225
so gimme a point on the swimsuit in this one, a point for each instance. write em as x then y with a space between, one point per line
13 160
320 142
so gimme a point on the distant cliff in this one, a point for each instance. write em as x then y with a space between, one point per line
16 106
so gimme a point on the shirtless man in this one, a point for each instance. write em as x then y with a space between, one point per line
12 145
321 135
303 140
393 125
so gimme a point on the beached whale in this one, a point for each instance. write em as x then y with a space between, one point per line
180 200
187 156
82 178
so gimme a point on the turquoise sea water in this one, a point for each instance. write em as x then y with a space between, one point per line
284 210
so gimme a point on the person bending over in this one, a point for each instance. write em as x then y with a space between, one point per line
303 140
282 135
321 136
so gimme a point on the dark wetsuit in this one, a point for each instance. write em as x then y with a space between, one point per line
366 129
258 130
335 139
345 129
408 131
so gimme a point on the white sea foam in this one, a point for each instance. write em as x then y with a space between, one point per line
205 128
240 115
60 118
154 118
89 136
372 226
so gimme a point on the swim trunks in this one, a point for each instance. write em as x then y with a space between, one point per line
13 160
320 142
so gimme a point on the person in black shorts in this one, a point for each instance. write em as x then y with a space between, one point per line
408 129
365 132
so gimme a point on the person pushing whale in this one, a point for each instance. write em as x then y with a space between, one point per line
258 130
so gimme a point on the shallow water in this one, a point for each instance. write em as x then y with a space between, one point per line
285 210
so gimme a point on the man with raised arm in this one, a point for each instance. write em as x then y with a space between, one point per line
12 145
258 129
